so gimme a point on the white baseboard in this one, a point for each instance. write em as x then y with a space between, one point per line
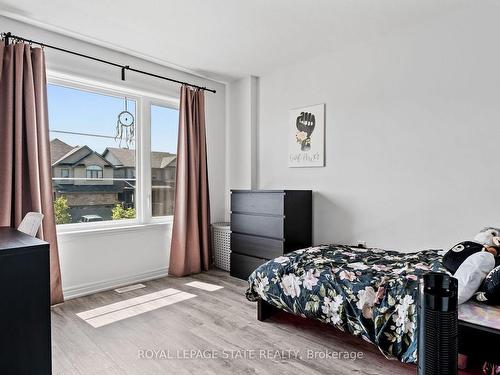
100 286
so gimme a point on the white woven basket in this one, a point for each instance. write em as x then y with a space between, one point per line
221 244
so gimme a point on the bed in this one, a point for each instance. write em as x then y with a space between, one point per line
370 293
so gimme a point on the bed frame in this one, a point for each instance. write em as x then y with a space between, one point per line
476 341
265 310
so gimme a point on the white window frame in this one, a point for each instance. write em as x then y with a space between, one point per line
143 100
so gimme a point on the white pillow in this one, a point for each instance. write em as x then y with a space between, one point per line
471 274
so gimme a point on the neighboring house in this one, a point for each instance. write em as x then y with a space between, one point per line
123 161
163 169
85 178
93 183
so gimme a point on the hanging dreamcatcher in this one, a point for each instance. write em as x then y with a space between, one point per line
125 127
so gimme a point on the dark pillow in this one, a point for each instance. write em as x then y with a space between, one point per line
458 253
490 290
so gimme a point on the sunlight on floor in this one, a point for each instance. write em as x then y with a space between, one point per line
114 312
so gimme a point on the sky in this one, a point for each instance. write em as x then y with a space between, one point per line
73 110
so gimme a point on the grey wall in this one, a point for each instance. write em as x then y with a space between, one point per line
412 133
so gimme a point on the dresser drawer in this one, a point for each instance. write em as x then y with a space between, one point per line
260 247
267 226
260 203
243 265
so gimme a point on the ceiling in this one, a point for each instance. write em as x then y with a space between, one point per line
227 39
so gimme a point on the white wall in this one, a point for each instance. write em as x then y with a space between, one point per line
412 133
95 260
241 127
241 135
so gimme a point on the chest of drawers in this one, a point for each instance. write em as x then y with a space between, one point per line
266 224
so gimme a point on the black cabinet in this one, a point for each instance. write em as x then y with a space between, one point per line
25 346
266 224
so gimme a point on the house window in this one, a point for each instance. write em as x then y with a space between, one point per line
94 185
94 171
164 126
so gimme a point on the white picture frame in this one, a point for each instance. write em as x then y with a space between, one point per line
306 137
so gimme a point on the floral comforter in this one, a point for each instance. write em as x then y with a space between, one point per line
368 292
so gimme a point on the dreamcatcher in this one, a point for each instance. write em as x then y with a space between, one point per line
125 127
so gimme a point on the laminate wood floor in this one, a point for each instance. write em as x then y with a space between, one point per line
200 335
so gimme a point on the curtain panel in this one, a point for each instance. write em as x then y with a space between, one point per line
25 169
190 247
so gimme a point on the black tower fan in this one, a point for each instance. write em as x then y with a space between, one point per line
438 324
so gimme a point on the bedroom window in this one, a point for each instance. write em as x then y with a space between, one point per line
164 125
93 173
98 180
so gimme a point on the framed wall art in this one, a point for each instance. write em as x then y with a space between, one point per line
306 137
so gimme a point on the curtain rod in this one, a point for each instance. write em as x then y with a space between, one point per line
8 36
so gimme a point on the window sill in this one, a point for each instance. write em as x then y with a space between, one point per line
113 229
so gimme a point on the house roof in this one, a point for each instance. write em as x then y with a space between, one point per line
162 159
69 154
75 157
168 161
126 157
62 153
58 149
92 152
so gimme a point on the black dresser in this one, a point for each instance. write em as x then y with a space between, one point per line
266 224
25 346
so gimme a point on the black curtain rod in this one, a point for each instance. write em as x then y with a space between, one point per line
8 36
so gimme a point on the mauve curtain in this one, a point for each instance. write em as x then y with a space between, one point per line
25 170
190 247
